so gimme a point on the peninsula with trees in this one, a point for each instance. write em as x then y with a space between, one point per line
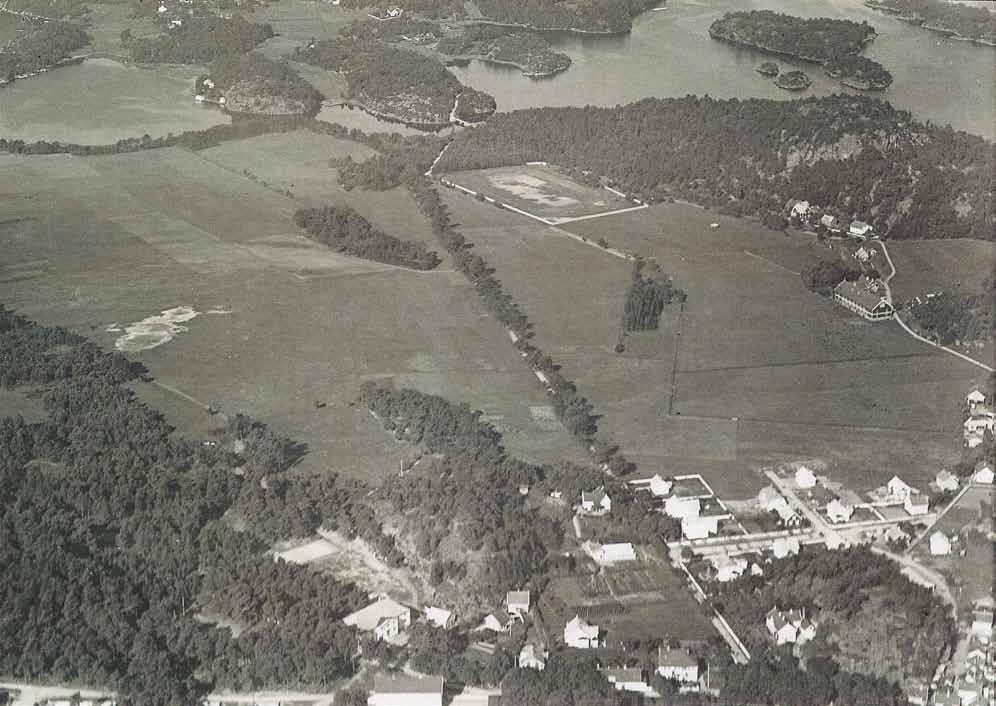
527 51
251 83
40 47
972 24
834 44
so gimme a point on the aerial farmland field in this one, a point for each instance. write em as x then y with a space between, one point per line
270 324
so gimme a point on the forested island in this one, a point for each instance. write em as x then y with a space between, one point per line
41 46
346 231
828 42
251 83
200 40
793 81
975 24
768 68
398 84
527 51
850 154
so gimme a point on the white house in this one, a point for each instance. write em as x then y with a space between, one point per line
862 255
532 657
597 501
805 478
983 473
975 397
833 540
611 553
517 602
439 617
385 618
800 209
771 500
916 504
807 631
982 625
660 487
780 628
682 507
859 229
785 546
979 423
677 665
946 480
699 527
580 634
499 621
839 511
405 690
898 488
728 568
940 545
756 570
830 223
627 680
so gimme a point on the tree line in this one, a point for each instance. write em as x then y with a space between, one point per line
748 157
200 40
40 46
252 83
647 296
346 231
951 318
588 15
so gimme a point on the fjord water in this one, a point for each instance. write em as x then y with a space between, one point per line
102 101
669 53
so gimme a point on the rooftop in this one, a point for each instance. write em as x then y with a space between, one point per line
860 292
405 684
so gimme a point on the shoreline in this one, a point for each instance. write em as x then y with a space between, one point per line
565 30
503 62
921 22
68 61
392 118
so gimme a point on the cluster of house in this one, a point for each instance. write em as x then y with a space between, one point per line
688 509
940 543
515 611
790 626
973 680
674 664
811 216
981 419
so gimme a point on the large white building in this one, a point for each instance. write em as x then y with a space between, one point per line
405 690
699 527
580 633
385 618
682 507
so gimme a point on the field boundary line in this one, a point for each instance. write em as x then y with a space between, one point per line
770 262
939 516
836 361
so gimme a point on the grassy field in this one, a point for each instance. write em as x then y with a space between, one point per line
126 237
766 372
302 20
540 190
925 266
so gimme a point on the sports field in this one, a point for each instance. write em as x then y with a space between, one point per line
765 372
292 325
540 190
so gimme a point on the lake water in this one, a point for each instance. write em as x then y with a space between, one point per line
669 53
101 101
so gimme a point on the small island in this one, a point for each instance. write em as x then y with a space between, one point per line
527 51
793 81
833 44
768 68
253 84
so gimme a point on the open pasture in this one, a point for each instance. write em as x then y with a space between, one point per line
540 190
283 342
957 266
766 371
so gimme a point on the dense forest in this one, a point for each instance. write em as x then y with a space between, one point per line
117 551
824 274
346 231
585 15
251 83
200 40
433 9
976 23
527 50
647 296
40 46
870 617
820 40
397 83
956 318
854 155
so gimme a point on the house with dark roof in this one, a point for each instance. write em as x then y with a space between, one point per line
866 298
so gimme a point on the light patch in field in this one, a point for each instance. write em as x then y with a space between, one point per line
531 189
307 553
156 330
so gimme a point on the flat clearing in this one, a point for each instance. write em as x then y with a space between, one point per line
766 372
308 552
540 190
141 234
301 20
956 266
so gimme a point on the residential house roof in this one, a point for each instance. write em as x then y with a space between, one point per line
517 598
406 684
676 658
861 292
368 618
578 627
438 616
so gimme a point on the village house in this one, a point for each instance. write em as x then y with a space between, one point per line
983 473
580 634
982 625
385 618
681 508
771 500
517 603
831 223
596 502
659 487
728 568
677 665
699 527
859 229
916 504
839 511
979 423
499 622
628 680
974 398
800 210
864 297
898 489
805 478
862 254
439 617
974 440
532 657
946 696
940 545
917 694
790 626
785 546
405 690
946 481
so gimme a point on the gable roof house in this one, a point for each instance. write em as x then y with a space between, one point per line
439 617
660 487
859 229
940 545
839 511
975 397
405 690
831 223
611 553
983 473
946 480
580 634
805 478
677 665
979 423
385 618
864 297
532 657
597 501
699 527
916 504
728 568
785 546
517 602
682 507
779 627
899 489
800 209
628 680
499 621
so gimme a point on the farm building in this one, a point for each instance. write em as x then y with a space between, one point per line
682 507
728 568
405 690
597 501
385 618
839 511
677 665
580 634
983 473
859 229
916 504
611 553
699 527
439 617
805 478
532 657
628 680
946 480
940 545
785 546
517 602
864 297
